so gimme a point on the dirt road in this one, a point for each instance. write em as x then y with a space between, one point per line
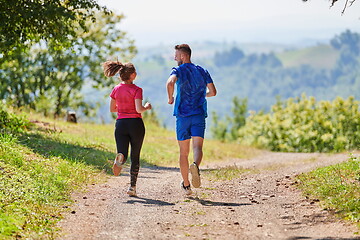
257 206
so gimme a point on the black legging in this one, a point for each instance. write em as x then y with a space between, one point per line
130 131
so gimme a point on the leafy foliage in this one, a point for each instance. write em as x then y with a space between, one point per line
219 128
50 79
24 20
304 125
12 122
229 129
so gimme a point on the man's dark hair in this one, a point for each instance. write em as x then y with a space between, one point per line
184 48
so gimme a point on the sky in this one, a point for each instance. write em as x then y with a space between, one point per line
278 21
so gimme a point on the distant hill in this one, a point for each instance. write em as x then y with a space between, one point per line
320 56
208 49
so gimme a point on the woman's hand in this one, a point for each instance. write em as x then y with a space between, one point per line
148 106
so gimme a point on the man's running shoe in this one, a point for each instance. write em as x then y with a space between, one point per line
186 189
195 175
132 191
118 162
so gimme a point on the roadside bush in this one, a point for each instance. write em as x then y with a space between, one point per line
11 122
304 125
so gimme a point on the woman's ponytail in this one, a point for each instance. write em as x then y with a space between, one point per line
124 70
111 68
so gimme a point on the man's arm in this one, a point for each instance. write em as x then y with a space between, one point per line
170 86
211 92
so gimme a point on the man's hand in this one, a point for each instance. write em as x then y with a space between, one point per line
171 100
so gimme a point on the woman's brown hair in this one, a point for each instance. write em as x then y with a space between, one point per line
113 67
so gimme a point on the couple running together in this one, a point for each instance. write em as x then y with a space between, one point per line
193 83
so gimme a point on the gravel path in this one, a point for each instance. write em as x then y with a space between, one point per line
256 206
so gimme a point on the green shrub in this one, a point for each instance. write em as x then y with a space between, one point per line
304 125
11 122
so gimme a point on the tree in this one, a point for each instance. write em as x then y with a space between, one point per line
346 71
347 40
229 128
219 128
16 80
50 78
239 111
348 3
229 58
33 20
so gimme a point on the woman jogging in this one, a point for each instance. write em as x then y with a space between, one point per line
126 100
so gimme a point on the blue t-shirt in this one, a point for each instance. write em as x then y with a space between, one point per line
191 90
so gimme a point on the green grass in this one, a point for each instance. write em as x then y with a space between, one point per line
39 169
35 185
337 187
321 56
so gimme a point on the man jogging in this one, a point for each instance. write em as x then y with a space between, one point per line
194 84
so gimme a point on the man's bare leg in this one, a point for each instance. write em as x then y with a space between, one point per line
198 149
184 160
194 167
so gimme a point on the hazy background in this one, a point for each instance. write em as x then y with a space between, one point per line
281 21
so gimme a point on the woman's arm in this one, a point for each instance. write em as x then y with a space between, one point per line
211 90
113 107
140 108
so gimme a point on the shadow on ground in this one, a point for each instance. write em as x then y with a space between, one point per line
212 203
48 148
148 201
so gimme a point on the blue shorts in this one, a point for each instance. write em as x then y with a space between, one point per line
192 126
